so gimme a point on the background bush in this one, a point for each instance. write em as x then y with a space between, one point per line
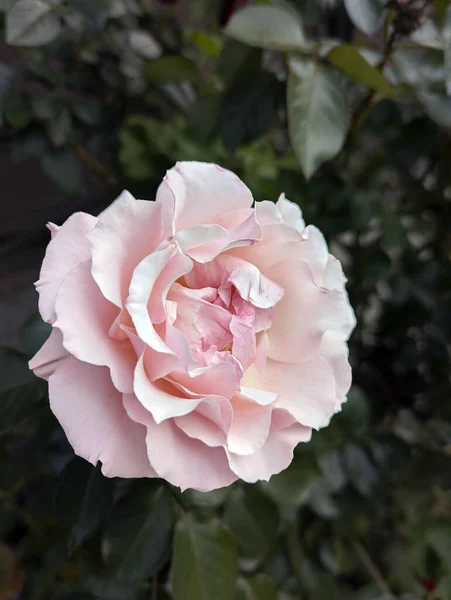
345 107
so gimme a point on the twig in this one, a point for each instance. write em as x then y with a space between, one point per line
95 165
41 90
155 587
369 97
371 567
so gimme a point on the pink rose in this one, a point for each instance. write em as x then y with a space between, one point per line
195 338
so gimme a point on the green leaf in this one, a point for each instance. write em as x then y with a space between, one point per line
171 69
20 391
60 128
144 44
354 416
439 539
318 116
292 486
350 61
266 26
361 471
366 15
253 519
204 115
331 465
437 106
213 499
83 500
204 561
259 587
137 539
88 112
47 106
17 109
447 41
65 169
31 23
248 110
6 77
33 333
27 146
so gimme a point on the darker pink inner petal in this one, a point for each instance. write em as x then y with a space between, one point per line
220 307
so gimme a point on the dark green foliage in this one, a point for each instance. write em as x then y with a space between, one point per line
356 131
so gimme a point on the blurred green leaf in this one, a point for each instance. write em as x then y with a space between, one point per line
259 587
272 27
204 561
362 473
366 15
213 499
292 486
171 69
248 110
60 128
31 23
354 416
7 74
437 106
253 519
83 500
332 467
350 61
203 116
317 113
137 539
447 43
439 539
47 106
88 112
65 169
17 109
34 332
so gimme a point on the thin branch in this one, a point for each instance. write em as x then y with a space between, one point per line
371 567
37 89
155 587
95 165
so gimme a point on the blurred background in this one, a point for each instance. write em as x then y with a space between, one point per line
346 107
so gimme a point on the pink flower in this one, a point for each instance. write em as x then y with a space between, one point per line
195 338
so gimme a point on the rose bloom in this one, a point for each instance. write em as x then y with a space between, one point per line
195 337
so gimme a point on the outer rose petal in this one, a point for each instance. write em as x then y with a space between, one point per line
128 231
304 313
68 248
274 457
195 193
291 213
93 417
181 460
306 390
46 360
250 426
335 351
84 317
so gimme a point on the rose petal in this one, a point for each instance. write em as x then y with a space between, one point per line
335 351
185 462
196 193
273 457
128 231
199 427
47 359
304 313
250 426
306 390
93 417
84 317
291 213
68 248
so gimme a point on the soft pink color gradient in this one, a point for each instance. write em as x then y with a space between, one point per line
195 338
